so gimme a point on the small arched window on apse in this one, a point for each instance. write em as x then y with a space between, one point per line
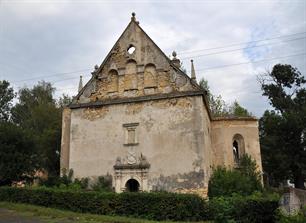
113 81
238 148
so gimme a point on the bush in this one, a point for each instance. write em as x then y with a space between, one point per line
298 218
244 180
255 208
156 206
83 182
56 181
65 182
103 184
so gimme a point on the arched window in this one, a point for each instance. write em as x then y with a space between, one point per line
238 148
150 76
130 78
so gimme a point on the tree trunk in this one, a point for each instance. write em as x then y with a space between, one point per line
299 182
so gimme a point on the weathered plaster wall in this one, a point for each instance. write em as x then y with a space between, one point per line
65 143
173 128
223 132
172 135
207 142
146 71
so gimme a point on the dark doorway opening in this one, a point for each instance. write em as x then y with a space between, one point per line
132 185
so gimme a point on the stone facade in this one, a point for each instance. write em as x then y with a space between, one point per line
143 121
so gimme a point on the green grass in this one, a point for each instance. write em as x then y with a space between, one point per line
52 215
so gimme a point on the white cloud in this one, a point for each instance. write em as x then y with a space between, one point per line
45 37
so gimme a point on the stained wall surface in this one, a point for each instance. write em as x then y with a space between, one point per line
141 117
146 71
172 134
223 133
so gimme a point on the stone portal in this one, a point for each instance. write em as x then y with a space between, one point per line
131 177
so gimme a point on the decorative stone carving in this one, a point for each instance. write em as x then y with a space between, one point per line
180 80
125 171
118 161
131 157
143 160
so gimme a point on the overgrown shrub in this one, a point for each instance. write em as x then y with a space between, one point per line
65 182
56 181
244 180
157 206
103 183
298 218
248 168
83 182
257 208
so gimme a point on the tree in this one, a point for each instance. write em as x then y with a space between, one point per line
238 111
276 169
38 114
283 131
244 180
204 84
6 97
18 161
64 101
219 108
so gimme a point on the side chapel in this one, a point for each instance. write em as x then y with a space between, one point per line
143 121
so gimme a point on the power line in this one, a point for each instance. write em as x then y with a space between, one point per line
64 89
225 51
236 44
250 47
210 68
51 75
68 79
220 52
257 61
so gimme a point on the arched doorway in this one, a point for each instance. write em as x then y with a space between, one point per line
132 185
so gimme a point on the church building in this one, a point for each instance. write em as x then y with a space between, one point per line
142 121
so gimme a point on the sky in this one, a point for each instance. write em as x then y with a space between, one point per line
231 42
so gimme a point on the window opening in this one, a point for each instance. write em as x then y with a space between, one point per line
236 152
131 49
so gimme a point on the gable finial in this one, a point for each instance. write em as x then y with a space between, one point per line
133 18
80 84
174 54
193 75
94 72
175 60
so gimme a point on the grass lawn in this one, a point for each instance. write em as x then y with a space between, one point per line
52 215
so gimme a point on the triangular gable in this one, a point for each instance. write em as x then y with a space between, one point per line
146 71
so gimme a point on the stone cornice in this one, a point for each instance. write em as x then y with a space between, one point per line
234 118
137 99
